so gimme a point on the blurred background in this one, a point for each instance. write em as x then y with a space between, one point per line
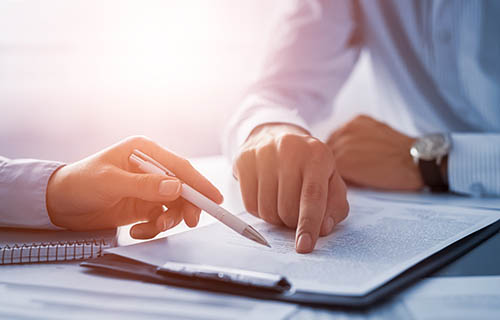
79 75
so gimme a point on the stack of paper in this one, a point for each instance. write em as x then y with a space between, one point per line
377 242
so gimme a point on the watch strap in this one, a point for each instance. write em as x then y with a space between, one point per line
431 174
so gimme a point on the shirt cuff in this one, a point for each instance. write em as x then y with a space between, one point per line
474 164
23 189
257 111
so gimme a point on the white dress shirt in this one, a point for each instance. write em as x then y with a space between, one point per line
23 189
437 60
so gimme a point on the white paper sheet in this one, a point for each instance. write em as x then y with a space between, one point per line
68 291
429 198
454 298
377 242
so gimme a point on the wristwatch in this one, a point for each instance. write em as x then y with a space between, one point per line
430 153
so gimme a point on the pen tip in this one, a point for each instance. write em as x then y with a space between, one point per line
263 242
254 235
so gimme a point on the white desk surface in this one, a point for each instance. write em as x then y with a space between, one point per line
48 277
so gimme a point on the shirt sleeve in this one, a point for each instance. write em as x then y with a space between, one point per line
474 164
23 186
314 51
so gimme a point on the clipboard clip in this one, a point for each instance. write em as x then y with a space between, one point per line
231 276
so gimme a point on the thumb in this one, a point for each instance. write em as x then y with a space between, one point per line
149 187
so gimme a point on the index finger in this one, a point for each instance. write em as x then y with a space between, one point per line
180 167
313 200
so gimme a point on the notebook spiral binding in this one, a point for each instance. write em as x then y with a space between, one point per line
52 251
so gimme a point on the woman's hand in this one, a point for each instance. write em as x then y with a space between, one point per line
105 191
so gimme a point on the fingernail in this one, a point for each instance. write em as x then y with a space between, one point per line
305 242
328 225
169 223
169 187
137 233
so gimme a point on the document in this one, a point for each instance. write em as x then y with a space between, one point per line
457 298
378 241
428 197
67 291
454 298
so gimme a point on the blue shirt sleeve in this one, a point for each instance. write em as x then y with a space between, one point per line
474 164
23 186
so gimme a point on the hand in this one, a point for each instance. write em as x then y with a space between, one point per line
287 177
371 154
105 191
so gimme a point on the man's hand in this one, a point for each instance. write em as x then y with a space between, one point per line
288 177
105 191
371 154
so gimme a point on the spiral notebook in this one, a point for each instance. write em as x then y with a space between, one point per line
36 246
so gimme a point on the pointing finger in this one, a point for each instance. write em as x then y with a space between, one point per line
312 209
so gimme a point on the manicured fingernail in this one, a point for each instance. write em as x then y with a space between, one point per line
169 187
137 233
328 225
305 242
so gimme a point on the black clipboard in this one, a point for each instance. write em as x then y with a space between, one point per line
282 291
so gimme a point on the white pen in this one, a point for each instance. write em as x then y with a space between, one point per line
150 165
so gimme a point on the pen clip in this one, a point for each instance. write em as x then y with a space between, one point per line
230 276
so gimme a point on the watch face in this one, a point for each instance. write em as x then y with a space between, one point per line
431 147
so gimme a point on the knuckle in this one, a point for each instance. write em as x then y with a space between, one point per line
105 173
361 117
143 181
245 158
348 141
354 124
288 215
320 151
287 143
138 140
185 164
306 223
315 145
313 191
265 152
